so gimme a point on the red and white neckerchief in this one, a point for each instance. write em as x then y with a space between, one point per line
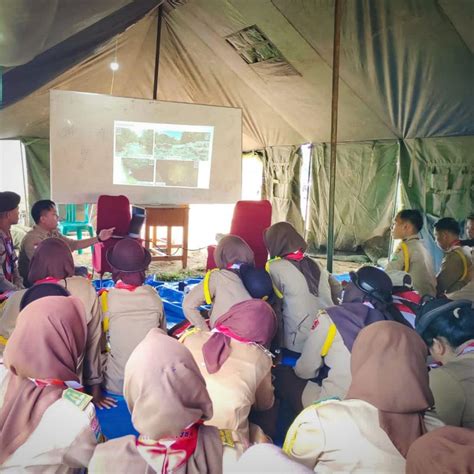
48 279
229 333
233 266
468 349
456 244
168 455
59 383
297 256
125 286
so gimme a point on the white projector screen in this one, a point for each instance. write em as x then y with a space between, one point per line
154 152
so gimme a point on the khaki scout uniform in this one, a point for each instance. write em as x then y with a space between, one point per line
299 305
324 345
16 281
345 436
412 257
225 289
129 315
243 381
36 235
453 390
89 370
64 440
456 276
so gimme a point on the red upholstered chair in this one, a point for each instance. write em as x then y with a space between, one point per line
249 221
112 211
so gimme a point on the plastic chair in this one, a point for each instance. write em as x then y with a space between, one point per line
71 225
112 211
249 221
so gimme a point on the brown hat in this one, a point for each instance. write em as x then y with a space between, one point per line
128 255
9 201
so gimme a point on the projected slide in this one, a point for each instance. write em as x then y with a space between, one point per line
165 155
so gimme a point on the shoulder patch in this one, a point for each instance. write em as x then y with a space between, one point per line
226 438
315 324
394 257
79 399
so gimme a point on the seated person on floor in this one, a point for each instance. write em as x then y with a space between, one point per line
442 451
411 255
455 279
235 363
131 309
405 298
10 279
448 330
45 425
169 402
223 288
303 285
382 414
469 241
46 218
52 263
323 370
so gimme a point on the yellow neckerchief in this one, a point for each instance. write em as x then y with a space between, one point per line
105 309
267 269
207 291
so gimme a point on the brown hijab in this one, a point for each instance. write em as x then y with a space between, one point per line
52 258
165 393
248 321
48 340
448 449
388 366
282 239
232 249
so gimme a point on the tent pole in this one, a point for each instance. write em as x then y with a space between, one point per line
334 104
157 51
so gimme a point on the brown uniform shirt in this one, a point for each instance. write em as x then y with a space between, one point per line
243 381
36 235
420 265
451 277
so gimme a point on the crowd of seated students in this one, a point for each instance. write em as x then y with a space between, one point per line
380 367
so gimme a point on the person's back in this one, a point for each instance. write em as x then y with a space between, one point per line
411 255
131 315
243 381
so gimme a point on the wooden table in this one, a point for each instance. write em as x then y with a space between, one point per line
169 217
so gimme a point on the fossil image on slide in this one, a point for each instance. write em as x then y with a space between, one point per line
165 155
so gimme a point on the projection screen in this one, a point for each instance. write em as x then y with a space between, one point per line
154 152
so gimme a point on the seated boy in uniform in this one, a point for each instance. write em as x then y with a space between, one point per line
411 255
455 278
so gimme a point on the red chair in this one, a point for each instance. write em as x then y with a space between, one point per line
112 211
249 221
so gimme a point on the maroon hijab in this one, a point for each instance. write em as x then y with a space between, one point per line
52 258
48 340
248 321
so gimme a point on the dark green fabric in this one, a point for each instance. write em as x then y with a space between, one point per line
366 179
437 178
281 184
38 168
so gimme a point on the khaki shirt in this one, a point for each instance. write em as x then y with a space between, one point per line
36 235
338 359
63 442
450 276
345 436
299 306
420 268
244 381
89 370
6 285
131 316
453 390
226 290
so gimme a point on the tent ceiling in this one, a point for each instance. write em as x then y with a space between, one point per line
30 27
406 69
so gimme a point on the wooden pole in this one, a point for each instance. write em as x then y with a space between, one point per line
157 51
334 105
